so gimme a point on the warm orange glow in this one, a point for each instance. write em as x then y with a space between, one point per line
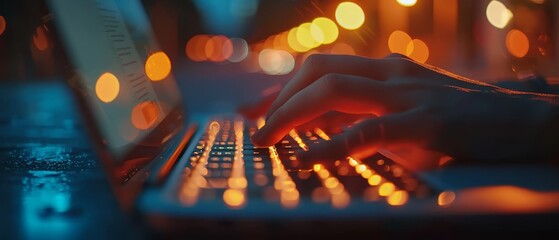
498 14
40 38
233 197
331 182
417 50
322 134
324 30
398 198
261 180
237 182
317 167
144 115
349 15
158 66
294 43
341 200
398 42
295 136
342 48
107 87
360 168
2 25
407 3
386 189
517 43
195 48
446 198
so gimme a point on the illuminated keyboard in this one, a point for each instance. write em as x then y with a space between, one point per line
226 165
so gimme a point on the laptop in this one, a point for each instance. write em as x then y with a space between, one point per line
179 171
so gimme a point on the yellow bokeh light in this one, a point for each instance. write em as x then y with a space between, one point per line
349 15
2 24
517 43
407 3
386 189
158 66
294 43
324 30
304 36
446 198
398 42
398 198
417 50
498 14
233 197
374 180
107 87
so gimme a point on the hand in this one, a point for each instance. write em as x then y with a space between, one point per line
417 105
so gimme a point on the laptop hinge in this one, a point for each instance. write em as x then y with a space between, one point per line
159 176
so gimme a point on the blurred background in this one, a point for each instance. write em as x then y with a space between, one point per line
484 40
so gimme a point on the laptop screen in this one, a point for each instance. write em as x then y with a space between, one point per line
123 76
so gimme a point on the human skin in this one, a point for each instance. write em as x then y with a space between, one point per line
402 102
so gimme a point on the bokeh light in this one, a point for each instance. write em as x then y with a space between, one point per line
195 48
158 66
517 43
417 50
2 25
498 14
446 198
349 15
40 38
240 49
214 48
294 43
407 3
276 62
324 30
398 42
304 36
107 87
144 115
342 48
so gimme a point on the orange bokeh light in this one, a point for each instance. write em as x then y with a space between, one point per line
107 87
195 48
342 48
2 25
517 43
40 38
398 42
214 48
417 50
144 115
158 66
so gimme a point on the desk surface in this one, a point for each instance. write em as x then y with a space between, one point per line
50 182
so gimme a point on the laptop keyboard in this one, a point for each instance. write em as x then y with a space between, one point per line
226 165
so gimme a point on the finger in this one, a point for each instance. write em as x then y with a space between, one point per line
344 93
364 138
318 65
